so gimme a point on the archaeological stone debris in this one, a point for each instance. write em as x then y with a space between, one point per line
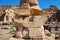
29 22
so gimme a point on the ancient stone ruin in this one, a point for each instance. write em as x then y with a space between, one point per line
29 20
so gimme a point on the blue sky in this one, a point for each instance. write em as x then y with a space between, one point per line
42 3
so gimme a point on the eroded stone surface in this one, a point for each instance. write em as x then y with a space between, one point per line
36 32
38 21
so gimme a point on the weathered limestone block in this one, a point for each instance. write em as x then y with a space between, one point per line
35 28
32 2
23 10
36 32
38 21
